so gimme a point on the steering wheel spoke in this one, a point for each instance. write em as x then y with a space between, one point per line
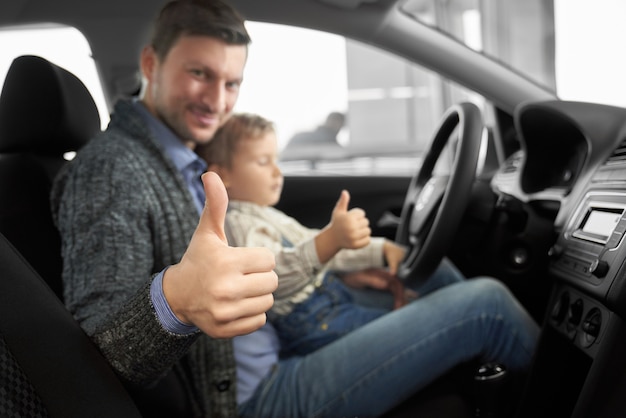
427 203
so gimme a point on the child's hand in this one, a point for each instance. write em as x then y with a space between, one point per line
377 278
394 254
347 229
350 228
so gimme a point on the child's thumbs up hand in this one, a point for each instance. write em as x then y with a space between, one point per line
350 227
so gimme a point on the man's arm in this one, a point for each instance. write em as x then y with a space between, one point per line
109 254
210 288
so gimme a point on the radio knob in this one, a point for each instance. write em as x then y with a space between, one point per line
599 268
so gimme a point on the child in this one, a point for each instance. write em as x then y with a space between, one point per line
312 306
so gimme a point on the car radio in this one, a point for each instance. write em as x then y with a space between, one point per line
590 252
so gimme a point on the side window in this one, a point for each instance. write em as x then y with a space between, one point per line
64 46
340 106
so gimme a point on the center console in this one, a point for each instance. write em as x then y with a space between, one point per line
580 365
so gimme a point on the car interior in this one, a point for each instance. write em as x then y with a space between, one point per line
535 198
41 374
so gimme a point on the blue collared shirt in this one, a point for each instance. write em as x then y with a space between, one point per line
185 160
191 167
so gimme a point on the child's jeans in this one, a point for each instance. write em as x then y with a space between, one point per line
328 314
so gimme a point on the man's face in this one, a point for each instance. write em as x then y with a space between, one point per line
193 90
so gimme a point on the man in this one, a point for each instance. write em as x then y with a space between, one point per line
155 292
127 208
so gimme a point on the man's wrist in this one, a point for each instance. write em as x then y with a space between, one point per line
164 313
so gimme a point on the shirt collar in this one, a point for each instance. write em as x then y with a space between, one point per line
182 157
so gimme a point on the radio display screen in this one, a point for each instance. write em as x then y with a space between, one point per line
599 223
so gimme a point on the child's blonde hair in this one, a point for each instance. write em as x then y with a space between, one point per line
239 126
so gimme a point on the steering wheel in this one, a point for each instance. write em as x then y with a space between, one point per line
434 203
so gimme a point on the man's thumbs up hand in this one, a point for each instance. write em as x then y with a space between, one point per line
225 291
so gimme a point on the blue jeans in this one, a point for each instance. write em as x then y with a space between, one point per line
328 314
377 366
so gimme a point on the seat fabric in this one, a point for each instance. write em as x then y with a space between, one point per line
49 366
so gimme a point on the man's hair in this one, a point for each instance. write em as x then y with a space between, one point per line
239 127
212 18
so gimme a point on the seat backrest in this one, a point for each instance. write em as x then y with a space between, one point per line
45 112
49 366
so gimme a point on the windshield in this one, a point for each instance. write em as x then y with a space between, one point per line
571 47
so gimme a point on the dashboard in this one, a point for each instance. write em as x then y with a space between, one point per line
574 154
563 144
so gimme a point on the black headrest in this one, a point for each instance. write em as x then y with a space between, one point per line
45 109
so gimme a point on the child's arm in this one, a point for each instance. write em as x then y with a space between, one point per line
347 229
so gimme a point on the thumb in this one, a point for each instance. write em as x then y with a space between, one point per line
342 203
214 212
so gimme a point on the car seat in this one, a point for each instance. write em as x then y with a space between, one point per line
49 366
45 112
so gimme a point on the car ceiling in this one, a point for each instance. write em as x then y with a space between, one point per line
117 29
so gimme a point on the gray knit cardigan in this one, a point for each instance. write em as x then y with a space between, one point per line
124 214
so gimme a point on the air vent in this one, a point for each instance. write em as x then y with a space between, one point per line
619 155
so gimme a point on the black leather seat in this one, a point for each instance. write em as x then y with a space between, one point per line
45 111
